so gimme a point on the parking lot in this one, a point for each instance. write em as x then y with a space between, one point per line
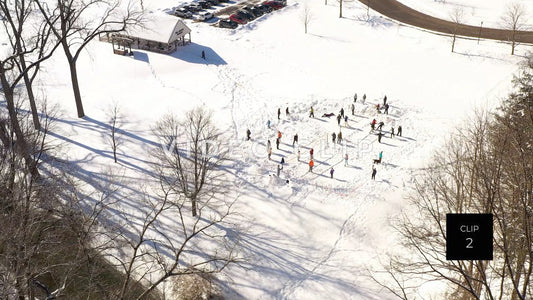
227 14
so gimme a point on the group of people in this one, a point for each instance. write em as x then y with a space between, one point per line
336 137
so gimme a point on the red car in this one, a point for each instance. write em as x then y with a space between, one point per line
274 4
238 19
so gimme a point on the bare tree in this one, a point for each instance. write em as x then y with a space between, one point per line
306 17
30 46
190 161
456 16
78 26
154 255
115 120
485 167
513 21
33 221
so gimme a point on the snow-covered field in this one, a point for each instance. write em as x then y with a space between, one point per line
315 237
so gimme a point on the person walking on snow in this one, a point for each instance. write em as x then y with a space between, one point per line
355 97
287 111
248 133
364 99
280 167
312 113
268 124
311 164
379 137
339 119
269 145
298 155
331 172
384 100
277 143
391 132
342 112
353 110
333 137
346 121
386 106
399 132
373 124
339 137
311 152
295 139
282 162
374 172
380 126
279 135
279 112
346 159
269 153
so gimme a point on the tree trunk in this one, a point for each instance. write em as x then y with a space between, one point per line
193 208
31 97
74 79
21 144
76 89
453 43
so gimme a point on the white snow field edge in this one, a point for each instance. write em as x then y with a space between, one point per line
316 237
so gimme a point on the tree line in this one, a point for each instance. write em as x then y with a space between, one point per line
485 167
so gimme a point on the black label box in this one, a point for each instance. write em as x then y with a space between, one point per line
469 237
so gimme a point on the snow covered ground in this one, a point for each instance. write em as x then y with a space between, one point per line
315 237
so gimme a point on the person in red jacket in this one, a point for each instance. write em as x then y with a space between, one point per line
311 152
311 164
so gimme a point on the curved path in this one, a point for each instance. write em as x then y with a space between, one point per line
397 11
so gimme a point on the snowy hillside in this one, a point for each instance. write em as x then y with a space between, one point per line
314 237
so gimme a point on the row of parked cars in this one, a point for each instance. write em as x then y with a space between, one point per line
195 10
250 13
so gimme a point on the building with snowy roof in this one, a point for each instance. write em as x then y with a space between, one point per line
158 33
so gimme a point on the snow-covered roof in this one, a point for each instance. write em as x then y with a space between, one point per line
160 27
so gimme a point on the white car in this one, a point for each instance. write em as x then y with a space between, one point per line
203 16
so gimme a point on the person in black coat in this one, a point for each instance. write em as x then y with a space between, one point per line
399 132
248 133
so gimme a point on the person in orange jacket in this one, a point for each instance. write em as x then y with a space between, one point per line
311 164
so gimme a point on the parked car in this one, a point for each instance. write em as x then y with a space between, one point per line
204 4
274 4
227 23
254 11
203 16
193 7
183 13
238 19
264 8
248 16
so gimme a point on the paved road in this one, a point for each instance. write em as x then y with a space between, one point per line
397 11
